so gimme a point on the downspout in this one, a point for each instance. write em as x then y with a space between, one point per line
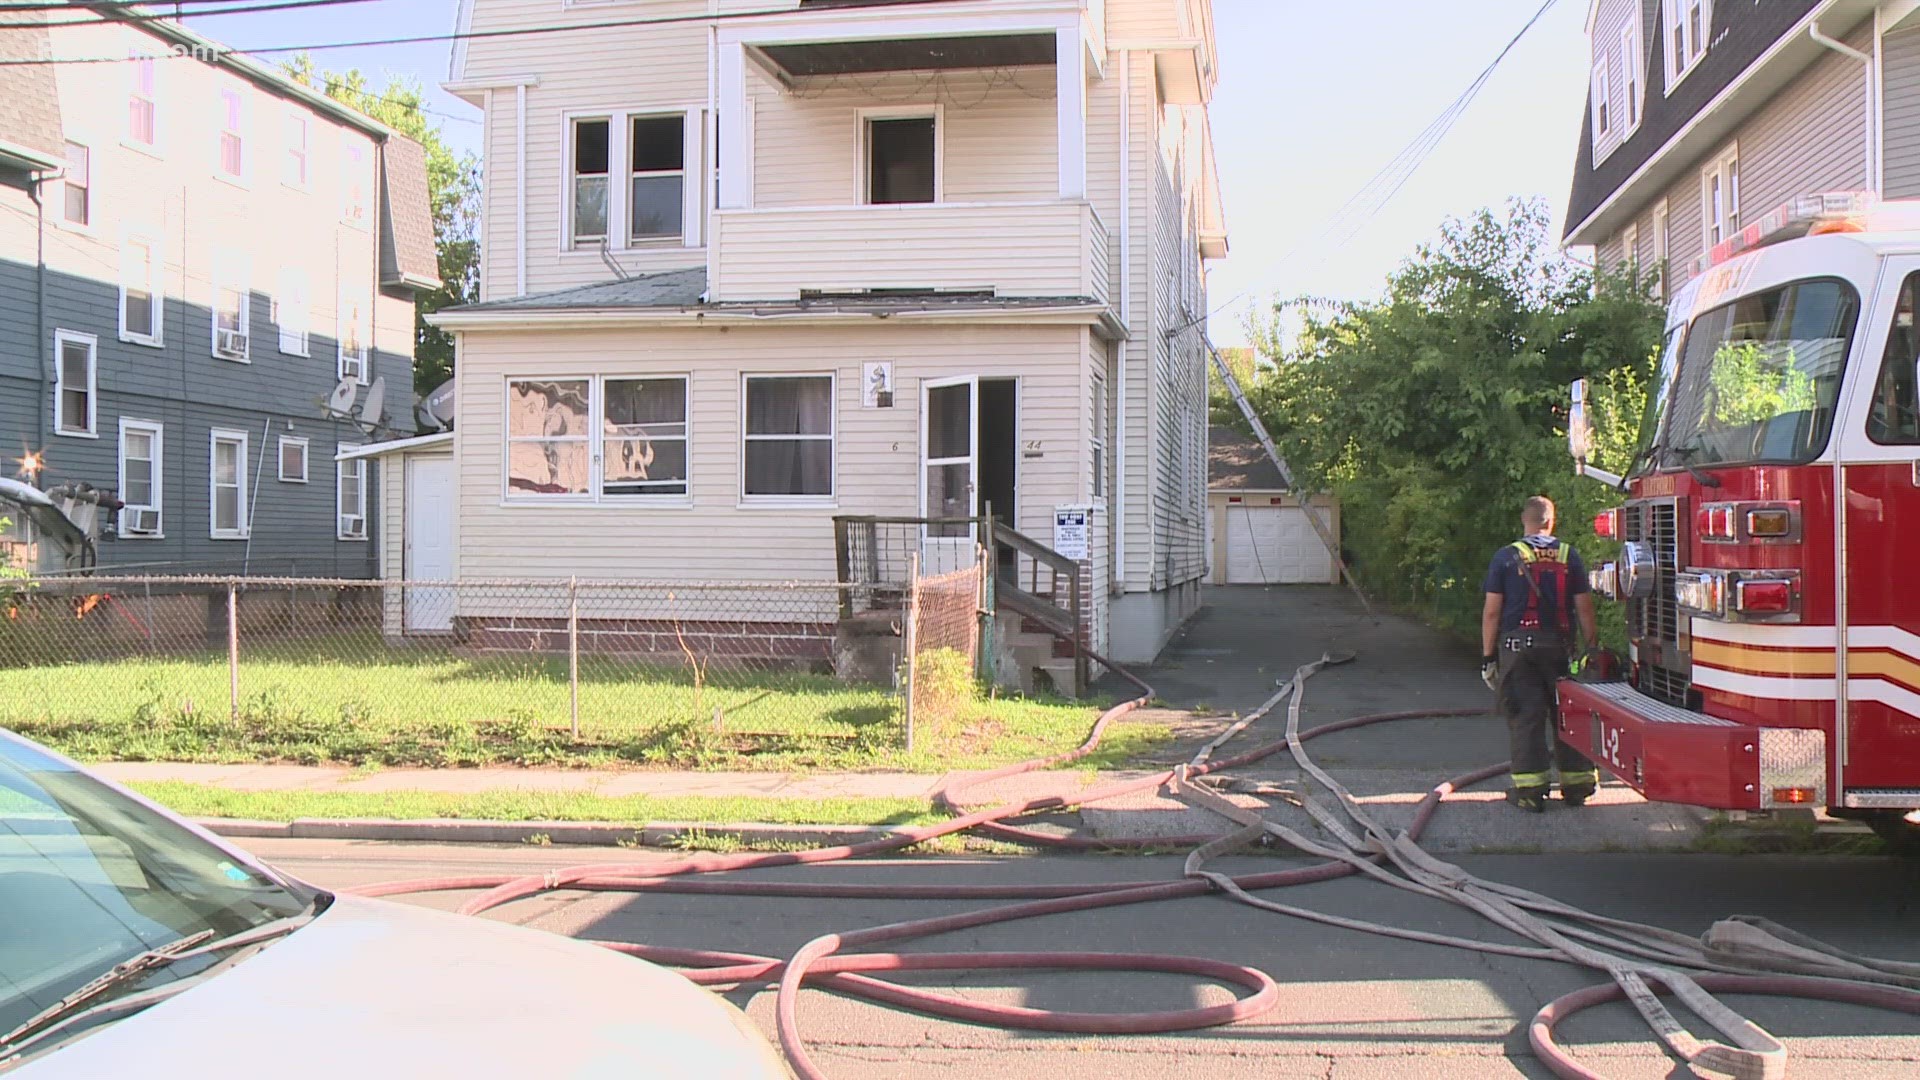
1840 706
1126 320
1871 119
520 190
710 162
41 338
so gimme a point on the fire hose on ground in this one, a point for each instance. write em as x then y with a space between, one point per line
1741 955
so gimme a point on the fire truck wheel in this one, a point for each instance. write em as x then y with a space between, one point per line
1902 836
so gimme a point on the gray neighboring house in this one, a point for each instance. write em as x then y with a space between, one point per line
194 253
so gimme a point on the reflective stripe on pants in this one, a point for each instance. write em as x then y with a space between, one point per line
1527 701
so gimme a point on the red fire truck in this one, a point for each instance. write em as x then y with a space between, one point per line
1770 556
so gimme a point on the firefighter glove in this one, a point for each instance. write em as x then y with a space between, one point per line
1490 672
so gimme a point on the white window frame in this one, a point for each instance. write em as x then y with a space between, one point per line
280 459
296 163
1662 243
293 311
1633 69
155 299
356 166
157 433
349 365
1097 443
233 100
1630 244
231 268
1723 169
1600 104
1693 45
89 184
831 498
149 95
619 165
61 339
596 440
357 469
242 503
863 170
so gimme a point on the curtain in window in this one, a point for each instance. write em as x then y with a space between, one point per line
789 448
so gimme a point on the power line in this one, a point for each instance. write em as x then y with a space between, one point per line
116 13
1365 204
426 39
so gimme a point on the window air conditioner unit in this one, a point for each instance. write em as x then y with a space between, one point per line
143 521
353 528
230 343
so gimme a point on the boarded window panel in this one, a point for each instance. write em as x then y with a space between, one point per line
901 160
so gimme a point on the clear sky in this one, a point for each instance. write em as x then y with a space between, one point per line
1314 99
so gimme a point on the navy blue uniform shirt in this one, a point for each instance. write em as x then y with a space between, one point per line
1506 579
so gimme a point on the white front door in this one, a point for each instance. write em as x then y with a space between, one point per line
949 474
429 526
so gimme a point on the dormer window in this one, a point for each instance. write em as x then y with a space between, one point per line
1689 24
1602 103
1632 64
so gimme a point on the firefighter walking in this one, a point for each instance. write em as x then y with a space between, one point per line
1535 589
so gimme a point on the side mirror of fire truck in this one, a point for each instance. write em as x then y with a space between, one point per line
1580 435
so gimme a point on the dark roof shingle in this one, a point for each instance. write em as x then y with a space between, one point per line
29 99
407 252
1237 462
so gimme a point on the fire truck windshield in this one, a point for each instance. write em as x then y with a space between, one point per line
1757 379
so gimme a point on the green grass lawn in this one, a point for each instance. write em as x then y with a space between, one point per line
350 699
209 801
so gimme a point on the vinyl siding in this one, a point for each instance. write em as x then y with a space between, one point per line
1809 137
877 454
1613 17
1900 67
173 196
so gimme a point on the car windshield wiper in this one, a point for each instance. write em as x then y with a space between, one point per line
134 968
125 972
1684 455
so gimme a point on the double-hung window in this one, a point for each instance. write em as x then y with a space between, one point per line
1689 25
1632 66
142 104
591 154
1602 99
76 363
140 452
902 158
293 460
350 496
293 312
227 485
1098 444
1720 196
354 333
77 209
232 307
295 173
140 290
608 439
789 437
356 177
233 134
656 205
1660 249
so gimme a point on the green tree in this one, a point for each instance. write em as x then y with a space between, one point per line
453 181
1434 410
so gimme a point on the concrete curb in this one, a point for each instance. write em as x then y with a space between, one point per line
585 833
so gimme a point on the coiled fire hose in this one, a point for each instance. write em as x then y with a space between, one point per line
1742 955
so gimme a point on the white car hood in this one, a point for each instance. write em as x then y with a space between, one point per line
371 989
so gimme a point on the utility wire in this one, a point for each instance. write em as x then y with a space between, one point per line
115 13
1365 204
424 39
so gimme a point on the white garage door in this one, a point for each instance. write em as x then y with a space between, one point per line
1275 545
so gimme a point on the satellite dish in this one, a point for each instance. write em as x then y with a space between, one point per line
439 404
375 407
340 402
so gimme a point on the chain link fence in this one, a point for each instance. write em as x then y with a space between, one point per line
467 672
942 646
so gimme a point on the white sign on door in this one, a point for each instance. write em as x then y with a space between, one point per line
1070 532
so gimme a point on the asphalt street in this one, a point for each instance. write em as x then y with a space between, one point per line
1355 1006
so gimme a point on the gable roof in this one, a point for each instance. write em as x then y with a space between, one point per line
407 254
30 133
1741 36
1237 462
